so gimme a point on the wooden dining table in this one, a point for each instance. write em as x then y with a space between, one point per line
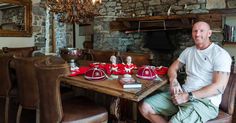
114 88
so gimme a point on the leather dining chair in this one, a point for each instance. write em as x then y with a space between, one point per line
71 110
87 55
27 85
228 99
102 56
5 82
1 52
20 51
137 58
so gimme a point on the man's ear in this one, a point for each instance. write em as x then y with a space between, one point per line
209 33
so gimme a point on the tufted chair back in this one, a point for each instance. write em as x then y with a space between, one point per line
20 51
5 81
55 110
50 100
27 83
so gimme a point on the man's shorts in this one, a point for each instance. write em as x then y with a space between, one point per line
197 111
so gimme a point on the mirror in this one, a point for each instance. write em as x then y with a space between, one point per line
15 18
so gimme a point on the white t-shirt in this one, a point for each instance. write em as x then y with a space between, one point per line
200 65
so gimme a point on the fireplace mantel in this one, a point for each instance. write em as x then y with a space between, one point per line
171 22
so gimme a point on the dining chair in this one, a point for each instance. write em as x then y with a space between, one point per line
5 82
102 55
27 85
87 55
228 101
71 110
1 52
20 51
137 58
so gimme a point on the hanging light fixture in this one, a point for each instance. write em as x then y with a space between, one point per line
74 11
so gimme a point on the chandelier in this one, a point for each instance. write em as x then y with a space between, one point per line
74 11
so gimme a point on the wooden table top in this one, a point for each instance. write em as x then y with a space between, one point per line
113 87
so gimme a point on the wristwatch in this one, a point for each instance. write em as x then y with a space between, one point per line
190 96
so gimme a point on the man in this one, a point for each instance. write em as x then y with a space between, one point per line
197 101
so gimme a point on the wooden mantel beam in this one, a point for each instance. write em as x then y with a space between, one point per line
165 22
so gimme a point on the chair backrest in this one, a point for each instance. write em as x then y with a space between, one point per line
228 98
5 81
137 58
27 81
20 51
87 55
102 56
48 72
1 52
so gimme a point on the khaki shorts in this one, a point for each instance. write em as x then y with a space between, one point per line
197 111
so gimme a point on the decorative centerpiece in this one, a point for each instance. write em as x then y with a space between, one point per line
71 55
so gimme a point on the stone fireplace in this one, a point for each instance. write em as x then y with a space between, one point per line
168 45
135 42
107 39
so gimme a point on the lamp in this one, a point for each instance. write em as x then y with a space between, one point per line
74 11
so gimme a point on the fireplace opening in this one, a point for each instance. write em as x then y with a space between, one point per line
159 41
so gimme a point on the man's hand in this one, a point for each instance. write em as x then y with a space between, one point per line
180 98
175 88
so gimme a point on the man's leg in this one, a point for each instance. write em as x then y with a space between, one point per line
147 111
198 111
157 107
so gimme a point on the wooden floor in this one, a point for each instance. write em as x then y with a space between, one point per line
28 116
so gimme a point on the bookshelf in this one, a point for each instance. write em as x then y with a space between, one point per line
229 29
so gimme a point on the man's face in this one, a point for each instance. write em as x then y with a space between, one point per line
201 33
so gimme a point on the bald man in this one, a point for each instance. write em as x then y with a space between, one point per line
198 99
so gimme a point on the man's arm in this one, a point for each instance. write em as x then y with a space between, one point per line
220 80
173 69
172 74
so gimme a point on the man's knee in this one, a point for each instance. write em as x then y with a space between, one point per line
146 109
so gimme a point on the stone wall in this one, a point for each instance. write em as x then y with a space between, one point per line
39 26
114 40
42 29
